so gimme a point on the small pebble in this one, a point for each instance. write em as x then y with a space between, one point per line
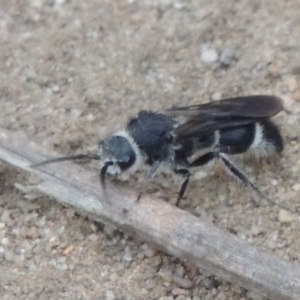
208 55
109 230
114 277
286 216
69 249
61 266
90 117
293 84
255 231
221 296
9 256
165 275
156 261
148 251
296 187
296 95
5 241
140 255
211 282
179 271
216 96
200 175
2 251
179 5
32 233
150 284
94 228
59 2
110 295
182 282
74 114
181 297
272 245
41 222
227 57
79 236
55 89
178 291
53 242
19 261
36 3
127 255
5 218
274 182
93 237
32 266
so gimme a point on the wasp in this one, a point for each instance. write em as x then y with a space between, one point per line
189 137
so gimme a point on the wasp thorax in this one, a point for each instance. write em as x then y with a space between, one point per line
117 151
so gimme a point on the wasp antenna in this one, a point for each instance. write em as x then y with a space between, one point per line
64 158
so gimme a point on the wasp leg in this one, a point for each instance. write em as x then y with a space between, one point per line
206 158
246 181
186 174
241 176
149 177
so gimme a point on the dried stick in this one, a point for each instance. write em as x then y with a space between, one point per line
171 229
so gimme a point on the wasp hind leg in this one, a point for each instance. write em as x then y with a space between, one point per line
244 179
206 158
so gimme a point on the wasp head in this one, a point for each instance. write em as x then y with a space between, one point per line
117 155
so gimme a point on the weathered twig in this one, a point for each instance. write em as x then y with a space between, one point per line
171 229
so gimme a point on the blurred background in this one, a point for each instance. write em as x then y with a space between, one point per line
73 72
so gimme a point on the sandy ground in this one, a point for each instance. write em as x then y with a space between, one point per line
71 72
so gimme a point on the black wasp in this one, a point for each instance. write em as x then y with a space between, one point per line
191 136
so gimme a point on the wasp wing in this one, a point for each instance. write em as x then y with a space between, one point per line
197 129
204 119
257 106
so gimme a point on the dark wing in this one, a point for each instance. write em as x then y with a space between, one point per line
206 118
258 106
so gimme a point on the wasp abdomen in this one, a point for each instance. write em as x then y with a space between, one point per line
236 140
